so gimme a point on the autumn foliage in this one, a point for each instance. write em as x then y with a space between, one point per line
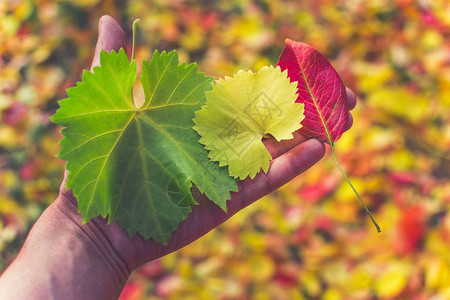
311 239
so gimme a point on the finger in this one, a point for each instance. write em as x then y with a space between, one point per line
110 37
282 170
349 122
351 99
276 148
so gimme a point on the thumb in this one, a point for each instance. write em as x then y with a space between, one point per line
110 37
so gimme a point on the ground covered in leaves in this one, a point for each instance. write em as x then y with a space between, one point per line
311 239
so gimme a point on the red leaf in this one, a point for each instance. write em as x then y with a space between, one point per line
27 170
411 229
131 291
317 192
319 87
14 114
286 276
321 90
152 270
324 223
403 178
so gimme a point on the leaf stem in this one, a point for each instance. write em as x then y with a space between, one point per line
330 141
133 50
135 28
351 185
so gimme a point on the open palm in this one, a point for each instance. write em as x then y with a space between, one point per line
290 158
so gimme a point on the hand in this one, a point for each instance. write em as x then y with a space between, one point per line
65 259
290 158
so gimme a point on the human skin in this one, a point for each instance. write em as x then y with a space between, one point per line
65 259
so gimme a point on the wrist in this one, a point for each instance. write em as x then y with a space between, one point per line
100 241
63 259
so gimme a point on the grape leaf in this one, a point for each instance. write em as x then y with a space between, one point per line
240 110
320 88
136 165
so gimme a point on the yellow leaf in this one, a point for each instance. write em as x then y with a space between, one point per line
24 10
393 280
400 103
361 280
9 25
401 160
240 110
437 274
332 294
377 78
431 39
262 267
311 284
8 137
9 206
194 39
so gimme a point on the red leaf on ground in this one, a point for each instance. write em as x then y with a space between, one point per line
286 276
152 270
132 291
411 229
324 223
319 87
403 178
14 114
317 192
27 170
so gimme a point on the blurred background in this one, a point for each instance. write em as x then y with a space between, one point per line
310 239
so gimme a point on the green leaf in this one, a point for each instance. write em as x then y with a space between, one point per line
137 165
240 110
